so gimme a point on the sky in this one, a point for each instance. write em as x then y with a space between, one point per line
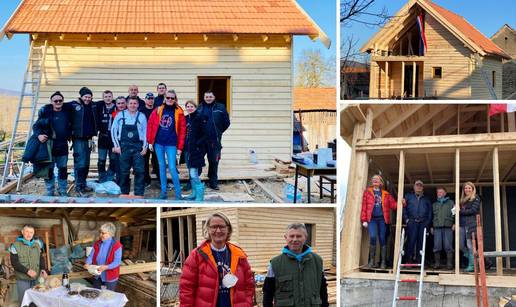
487 16
14 52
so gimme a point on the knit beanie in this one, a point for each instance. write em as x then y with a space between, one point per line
85 91
58 93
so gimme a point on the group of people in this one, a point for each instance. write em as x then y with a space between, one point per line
28 261
217 273
419 213
130 132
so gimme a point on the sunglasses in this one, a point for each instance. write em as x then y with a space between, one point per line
57 100
150 98
170 98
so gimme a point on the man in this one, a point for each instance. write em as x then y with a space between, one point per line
296 277
417 215
147 109
443 227
104 116
133 93
218 122
83 130
129 133
54 123
160 99
26 254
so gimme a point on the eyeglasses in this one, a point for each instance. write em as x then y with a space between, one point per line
170 98
221 227
150 98
57 100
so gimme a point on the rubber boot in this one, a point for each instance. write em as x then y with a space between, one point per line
199 192
192 195
470 267
449 260
383 254
437 260
50 185
63 186
372 256
163 195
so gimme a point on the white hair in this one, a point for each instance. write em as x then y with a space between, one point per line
109 228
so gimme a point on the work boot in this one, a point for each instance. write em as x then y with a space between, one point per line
372 256
199 192
471 267
437 260
50 187
449 260
383 254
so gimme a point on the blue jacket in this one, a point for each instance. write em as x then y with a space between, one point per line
417 208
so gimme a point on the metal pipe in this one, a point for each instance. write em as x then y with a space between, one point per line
15 198
500 254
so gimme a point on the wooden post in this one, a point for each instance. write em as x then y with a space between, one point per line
505 226
511 122
402 78
181 237
399 208
488 120
189 226
414 79
457 214
47 244
170 246
386 79
497 211
458 118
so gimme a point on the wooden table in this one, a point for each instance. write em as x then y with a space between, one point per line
308 171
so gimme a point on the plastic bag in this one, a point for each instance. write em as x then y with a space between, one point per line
288 192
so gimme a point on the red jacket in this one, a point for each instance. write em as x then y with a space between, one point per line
199 283
388 203
179 120
112 274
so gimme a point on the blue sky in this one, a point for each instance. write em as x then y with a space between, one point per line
486 16
14 52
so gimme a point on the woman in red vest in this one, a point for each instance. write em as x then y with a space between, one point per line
216 273
107 255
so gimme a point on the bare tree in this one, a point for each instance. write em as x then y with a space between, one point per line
313 70
356 10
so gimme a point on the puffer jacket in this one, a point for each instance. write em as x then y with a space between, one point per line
468 215
199 283
195 145
179 120
388 203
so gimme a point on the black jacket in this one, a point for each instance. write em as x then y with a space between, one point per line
102 127
59 146
83 123
39 154
468 215
218 122
195 145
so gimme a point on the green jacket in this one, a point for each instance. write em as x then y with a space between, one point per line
297 283
28 256
442 213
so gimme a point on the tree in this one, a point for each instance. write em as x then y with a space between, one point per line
313 70
359 11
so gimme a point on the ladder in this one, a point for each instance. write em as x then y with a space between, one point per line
25 115
484 75
418 298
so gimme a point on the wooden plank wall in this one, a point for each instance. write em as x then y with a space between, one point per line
320 128
260 80
478 86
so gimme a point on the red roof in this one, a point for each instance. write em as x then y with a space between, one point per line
469 31
306 99
161 16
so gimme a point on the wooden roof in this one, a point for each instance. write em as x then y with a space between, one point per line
163 16
310 99
455 23
138 215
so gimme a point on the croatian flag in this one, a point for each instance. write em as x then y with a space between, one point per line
422 35
496 108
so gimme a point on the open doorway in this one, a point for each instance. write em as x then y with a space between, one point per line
409 75
218 85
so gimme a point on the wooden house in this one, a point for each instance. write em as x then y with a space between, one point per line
442 145
241 50
453 61
258 231
505 38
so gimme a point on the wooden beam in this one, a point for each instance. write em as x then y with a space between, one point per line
497 211
387 80
413 79
434 110
412 108
482 167
511 122
169 241
506 174
269 192
457 204
181 236
190 232
429 167
407 174
488 119
402 78
399 209
505 214
458 118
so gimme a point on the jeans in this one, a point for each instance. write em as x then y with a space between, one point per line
443 239
81 161
377 226
170 151
61 163
465 244
22 286
110 285
131 157
101 164
213 154
415 238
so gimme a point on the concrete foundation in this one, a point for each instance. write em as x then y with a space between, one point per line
378 293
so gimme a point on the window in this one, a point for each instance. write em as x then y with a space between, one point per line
493 78
438 72
310 240
220 86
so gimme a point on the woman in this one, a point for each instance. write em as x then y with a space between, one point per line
195 148
107 254
469 208
216 273
376 217
166 135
